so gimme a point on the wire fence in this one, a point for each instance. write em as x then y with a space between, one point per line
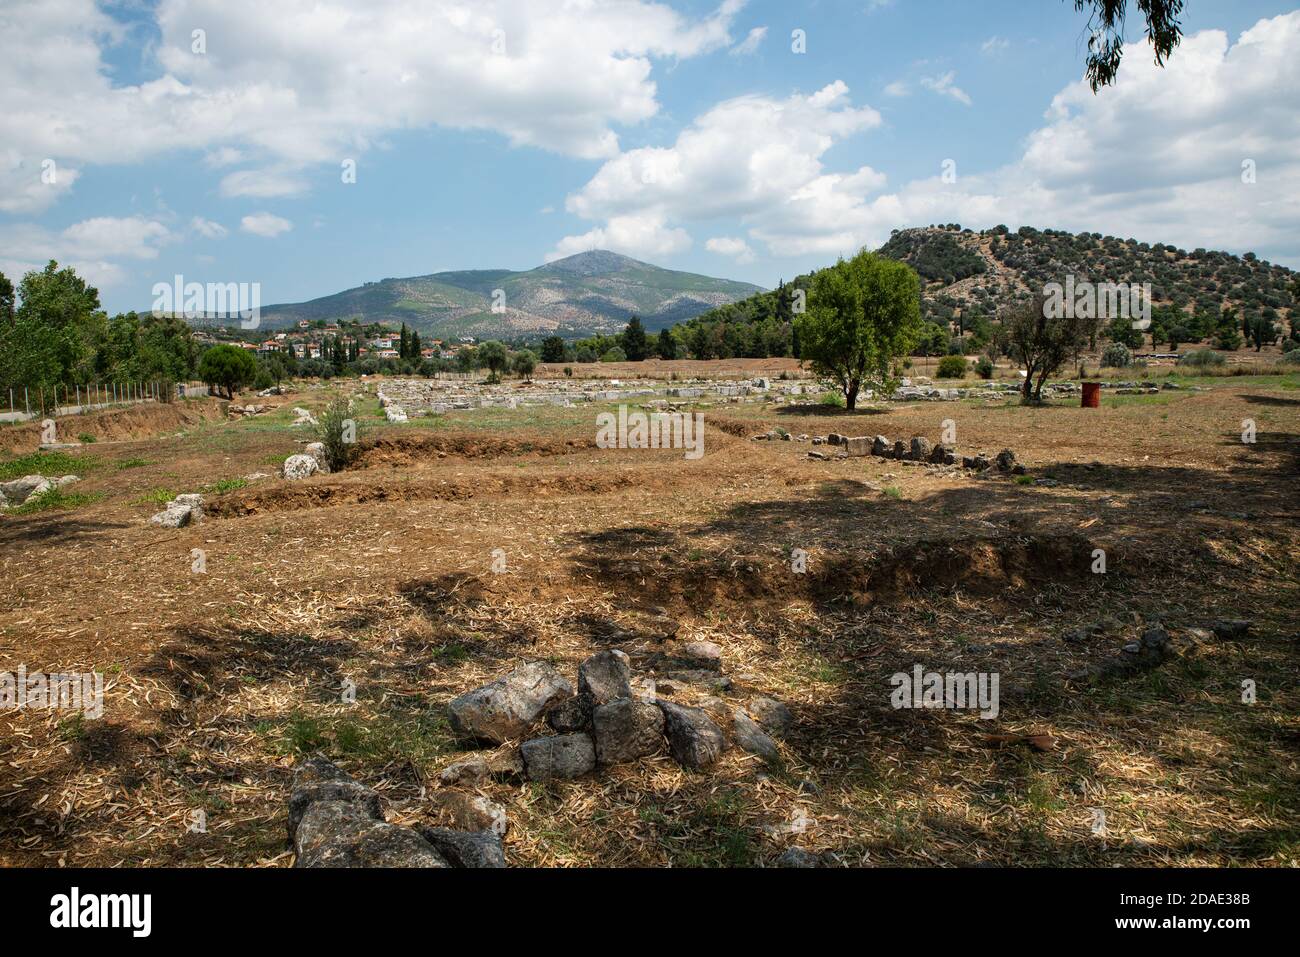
27 402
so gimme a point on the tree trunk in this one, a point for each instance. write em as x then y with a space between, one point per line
851 395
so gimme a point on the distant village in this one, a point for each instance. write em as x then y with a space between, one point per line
312 338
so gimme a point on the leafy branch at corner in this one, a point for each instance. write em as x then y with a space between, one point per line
862 314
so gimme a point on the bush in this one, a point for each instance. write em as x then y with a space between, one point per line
984 368
337 431
952 367
1202 358
1116 356
1292 357
615 354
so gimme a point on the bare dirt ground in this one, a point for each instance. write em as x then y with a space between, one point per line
218 683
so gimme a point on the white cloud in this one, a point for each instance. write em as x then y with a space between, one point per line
311 81
750 44
943 85
1158 156
263 183
26 186
897 88
88 246
754 158
643 235
994 46
207 228
266 225
732 246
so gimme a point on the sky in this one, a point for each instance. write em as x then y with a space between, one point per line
313 145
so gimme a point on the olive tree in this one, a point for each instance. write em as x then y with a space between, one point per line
862 314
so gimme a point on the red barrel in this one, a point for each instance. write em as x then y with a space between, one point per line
1091 395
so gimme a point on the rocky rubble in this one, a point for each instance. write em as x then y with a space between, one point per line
30 488
612 717
180 511
335 821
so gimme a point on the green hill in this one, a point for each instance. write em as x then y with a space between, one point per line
592 292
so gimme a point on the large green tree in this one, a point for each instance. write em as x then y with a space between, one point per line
227 368
862 314
494 356
634 342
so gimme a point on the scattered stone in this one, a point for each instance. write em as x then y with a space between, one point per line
605 676
704 680
65 481
835 439
173 516
627 730
18 491
571 714
560 757
341 834
921 449
751 737
880 447
857 447
507 707
469 812
469 771
705 654
1230 629
818 455
773 716
696 741
981 463
317 451
300 467
901 449
320 780
303 417
462 849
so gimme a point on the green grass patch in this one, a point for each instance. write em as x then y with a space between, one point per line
135 463
224 486
156 496
55 498
46 463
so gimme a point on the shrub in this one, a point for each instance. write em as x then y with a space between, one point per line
952 367
337 431
1292 357
1116 356
984 367
614 354
1202 358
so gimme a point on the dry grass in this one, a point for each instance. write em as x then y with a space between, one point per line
218 683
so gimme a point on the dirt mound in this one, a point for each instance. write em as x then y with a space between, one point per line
978 566
292 496
400 451
109 425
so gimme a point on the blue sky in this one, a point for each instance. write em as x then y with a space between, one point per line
687 134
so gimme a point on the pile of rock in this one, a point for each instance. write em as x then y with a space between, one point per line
336 822
302 417
30 488
245 411
180 511
612 718
307 463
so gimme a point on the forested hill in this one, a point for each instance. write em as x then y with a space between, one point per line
977 275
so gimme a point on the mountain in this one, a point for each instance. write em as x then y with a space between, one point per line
592 292
988 270
983 272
